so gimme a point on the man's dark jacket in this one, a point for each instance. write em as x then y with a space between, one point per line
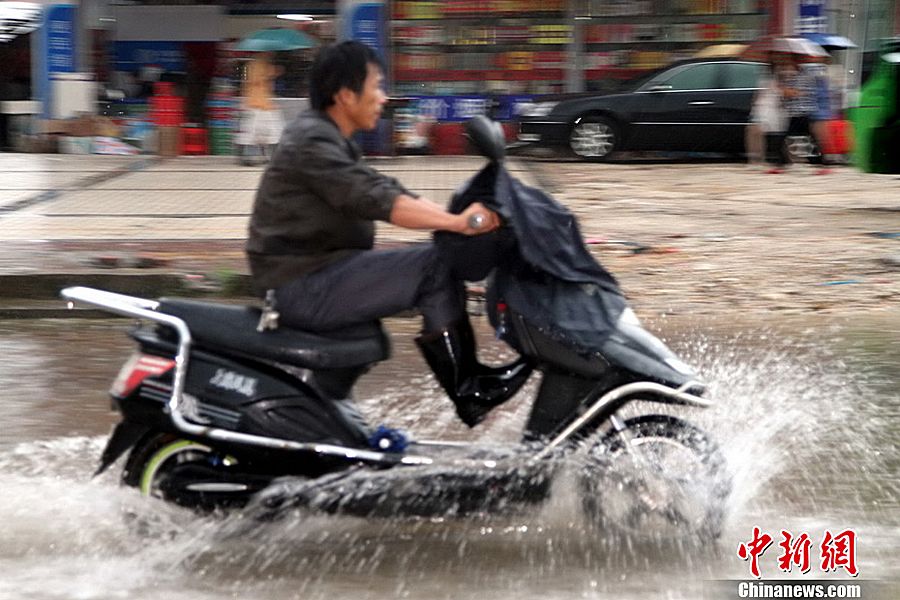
316 203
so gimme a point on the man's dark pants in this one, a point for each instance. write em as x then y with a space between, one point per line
372 285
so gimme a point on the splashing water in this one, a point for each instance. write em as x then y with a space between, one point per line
806 421
806 434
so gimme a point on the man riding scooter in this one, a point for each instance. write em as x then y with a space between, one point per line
218 412
311 236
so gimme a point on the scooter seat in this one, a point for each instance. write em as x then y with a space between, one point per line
233 329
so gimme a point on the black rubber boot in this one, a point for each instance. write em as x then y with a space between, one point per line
474 388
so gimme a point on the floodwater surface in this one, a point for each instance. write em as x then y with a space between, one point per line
806 414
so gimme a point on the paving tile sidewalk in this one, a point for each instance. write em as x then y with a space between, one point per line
681 237
96 217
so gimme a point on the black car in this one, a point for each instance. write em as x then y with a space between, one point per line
696 106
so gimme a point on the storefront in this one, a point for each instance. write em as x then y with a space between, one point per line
462 57
447 60
194 48
98 61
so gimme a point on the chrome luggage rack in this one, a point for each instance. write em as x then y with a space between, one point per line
141 308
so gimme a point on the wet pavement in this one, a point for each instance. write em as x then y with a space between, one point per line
806 412
694 238
779 288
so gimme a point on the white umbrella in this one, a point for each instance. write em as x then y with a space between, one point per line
798 45
830 40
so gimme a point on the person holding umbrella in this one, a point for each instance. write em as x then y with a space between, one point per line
770 113
796 86
837 76
800 84
831 94
823 113
261 122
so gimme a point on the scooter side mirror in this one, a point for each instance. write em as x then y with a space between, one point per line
487 137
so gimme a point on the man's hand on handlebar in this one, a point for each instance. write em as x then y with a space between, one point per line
478 219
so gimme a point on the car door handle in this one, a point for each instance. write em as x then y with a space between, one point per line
701 103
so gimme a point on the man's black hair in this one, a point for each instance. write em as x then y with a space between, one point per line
341 65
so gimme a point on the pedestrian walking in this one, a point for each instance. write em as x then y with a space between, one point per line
799 97
261 120
817 66
766 133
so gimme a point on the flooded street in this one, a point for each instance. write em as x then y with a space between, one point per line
807 413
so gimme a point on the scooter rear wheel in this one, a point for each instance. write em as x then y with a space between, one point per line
659 479
186 473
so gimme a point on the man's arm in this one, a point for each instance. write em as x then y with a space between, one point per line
356 189
322 162
413 213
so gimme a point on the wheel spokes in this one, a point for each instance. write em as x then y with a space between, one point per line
653 484
593 139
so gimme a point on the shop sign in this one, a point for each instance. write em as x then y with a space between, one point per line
131 56
56 52
365 22
463 108
59 29
813 17
367 26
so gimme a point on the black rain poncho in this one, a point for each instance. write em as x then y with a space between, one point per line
543 271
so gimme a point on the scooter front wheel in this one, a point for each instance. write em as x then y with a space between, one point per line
659 478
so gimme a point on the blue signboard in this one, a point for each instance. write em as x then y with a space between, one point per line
56 52
366 22
812 16
131 56
463 108
59 29
367 25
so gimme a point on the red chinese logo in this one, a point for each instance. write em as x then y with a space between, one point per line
794 554
754 549
837 551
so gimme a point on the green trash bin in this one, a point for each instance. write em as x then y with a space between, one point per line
876 119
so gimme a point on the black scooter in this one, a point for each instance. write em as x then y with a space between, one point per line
221 409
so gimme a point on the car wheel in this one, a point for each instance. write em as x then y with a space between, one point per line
594 138
801 147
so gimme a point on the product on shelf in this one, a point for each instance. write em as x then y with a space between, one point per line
532 46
